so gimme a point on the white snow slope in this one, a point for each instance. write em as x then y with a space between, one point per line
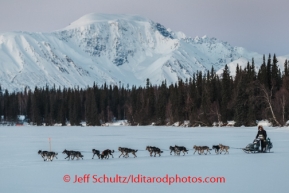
23 170
116 49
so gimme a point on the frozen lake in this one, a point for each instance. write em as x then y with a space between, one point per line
23 170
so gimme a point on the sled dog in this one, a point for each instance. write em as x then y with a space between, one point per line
72 154
105 154
198 149
224 148
180 149
216 148
125 151
173 149
47 155
205 148
95 152
43 154
51 155
155 150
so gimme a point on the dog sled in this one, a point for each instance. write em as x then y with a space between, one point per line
255 146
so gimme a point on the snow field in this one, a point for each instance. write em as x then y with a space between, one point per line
23 170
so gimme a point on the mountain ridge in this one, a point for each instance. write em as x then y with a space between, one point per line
112 49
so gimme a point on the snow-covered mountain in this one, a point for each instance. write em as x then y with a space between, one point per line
116 49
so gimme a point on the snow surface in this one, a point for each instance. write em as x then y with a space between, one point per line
111 48
23 170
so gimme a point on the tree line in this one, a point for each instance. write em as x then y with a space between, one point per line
204 99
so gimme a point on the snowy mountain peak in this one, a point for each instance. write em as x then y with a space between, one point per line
110 48
94 18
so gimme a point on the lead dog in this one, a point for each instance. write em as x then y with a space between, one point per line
47 155
43 154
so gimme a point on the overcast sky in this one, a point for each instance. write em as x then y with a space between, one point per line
257 25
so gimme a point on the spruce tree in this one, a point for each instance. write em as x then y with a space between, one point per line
269 72
161 104
226 94
286 70
275 74
262 74
241 104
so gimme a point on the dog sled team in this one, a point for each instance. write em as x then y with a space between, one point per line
153 151
261 138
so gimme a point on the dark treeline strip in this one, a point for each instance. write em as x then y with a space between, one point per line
204 99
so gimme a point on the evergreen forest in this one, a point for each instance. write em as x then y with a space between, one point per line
204 99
